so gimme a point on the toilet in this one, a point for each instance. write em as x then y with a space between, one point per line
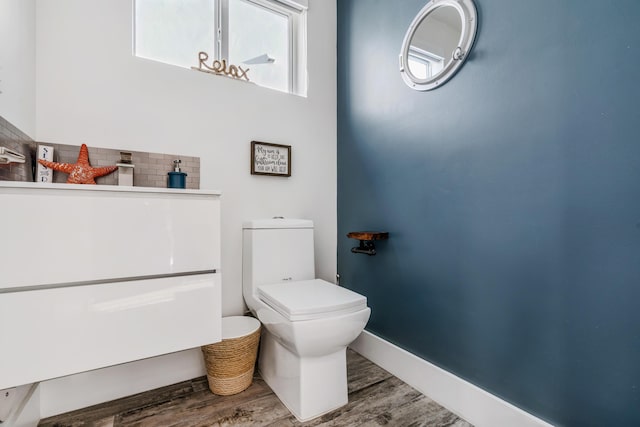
308 322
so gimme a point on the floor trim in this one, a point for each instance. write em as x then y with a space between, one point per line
480 408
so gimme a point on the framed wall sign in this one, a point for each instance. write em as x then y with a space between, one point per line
270 159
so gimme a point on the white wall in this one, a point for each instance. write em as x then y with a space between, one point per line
17 64
91 89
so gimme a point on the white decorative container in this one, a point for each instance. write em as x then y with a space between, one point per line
125 174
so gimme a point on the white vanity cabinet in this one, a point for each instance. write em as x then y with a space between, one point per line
93 276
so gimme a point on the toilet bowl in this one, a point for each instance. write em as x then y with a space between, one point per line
308 322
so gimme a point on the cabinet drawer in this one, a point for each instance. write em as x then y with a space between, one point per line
49 333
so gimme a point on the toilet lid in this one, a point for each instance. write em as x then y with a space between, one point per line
310 299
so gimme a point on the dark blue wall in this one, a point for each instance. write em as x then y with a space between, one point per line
512 197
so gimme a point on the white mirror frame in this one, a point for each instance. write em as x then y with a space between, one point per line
469 16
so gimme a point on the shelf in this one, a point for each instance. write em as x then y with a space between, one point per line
366 239
368 235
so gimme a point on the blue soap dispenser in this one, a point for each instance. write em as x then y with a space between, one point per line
177 179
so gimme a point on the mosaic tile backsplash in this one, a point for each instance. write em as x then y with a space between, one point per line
150 169
12 138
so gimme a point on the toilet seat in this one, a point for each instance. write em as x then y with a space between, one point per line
310 299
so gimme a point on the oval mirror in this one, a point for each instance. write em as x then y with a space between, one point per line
437 43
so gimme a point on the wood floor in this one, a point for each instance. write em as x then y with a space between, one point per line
376 398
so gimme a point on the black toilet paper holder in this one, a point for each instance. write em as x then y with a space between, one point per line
366 239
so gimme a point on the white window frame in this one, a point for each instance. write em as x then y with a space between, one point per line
296 13
426 58
296 49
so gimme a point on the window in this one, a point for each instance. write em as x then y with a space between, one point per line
266 36
265 47
423 64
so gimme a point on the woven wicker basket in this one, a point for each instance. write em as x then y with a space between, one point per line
230 363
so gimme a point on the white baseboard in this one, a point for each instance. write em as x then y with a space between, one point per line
470 402
78 391
480 408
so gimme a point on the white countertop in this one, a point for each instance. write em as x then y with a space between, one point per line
112 188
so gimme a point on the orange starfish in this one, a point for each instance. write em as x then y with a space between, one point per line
81 172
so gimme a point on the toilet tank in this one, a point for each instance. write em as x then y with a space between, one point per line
276 250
